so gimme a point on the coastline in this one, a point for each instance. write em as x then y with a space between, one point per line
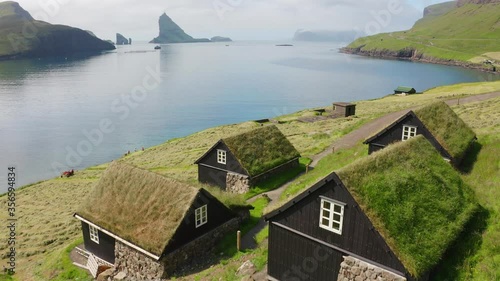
412 55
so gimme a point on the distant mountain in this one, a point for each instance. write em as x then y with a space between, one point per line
464 33
23 36
170 32
220 39
325 35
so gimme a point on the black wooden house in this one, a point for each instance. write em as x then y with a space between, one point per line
368 213
236 163
144 223
437 123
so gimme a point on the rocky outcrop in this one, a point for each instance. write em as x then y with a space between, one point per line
22 36
121 40
220 39
352 269
170 32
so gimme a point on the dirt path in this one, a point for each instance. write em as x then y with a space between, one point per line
345 142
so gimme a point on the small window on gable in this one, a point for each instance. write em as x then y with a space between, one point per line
221 156
201 216
409 132
94 234
331 215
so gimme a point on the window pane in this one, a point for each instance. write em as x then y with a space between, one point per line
336 217
326 213
336 226
325 222
337 208
326 205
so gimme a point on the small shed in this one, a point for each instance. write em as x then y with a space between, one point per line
437 122
372 219
236 163
344 109
405 90
148 225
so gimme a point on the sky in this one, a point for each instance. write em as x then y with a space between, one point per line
238 19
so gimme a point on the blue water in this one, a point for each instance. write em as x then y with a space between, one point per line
47 104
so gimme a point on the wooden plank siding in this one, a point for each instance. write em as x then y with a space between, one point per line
395 133
217 214
106 247
358 237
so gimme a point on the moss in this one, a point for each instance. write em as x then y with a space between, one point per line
262 149
417 201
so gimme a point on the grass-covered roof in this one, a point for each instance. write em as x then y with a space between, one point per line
448 129
417 202
139 206
404 89
261 149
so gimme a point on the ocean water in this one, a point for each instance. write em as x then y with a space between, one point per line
85 110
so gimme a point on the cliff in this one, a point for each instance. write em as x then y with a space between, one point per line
122 40
170 32
220 39
463 33
23 36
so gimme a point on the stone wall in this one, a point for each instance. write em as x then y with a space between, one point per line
352 269
236 183
135 264
197 247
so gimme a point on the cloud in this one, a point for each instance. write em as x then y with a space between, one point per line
240 19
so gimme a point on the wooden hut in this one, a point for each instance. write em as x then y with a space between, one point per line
437 122
344 109
385 216
144 224
404 90
236 163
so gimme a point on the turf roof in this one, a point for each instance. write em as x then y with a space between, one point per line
417 202
139 206
448 129
261 149
404 89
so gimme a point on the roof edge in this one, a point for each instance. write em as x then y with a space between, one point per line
130 244
208 151
391 125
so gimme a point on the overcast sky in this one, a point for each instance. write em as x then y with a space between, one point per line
238 19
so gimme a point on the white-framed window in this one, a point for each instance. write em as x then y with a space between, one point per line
409 132
221 156
94 234
331 215
201 216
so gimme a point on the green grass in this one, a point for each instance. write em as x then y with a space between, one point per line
278 180
461 34
58 266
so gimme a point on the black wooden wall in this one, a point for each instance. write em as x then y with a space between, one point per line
358 234
217 214
106 247
395 134
217 175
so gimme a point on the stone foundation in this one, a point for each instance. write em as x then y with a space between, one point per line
236 183
352 269
137 266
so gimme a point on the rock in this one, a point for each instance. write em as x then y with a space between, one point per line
220 39
170 32
121 40
247 268
45 39
120 276
105 274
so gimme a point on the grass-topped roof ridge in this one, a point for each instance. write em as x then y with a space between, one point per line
261 149
448 129
139 206
416 200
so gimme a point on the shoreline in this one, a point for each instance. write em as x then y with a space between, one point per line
410 55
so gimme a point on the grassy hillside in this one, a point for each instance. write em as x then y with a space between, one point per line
47 228
467 34
21 35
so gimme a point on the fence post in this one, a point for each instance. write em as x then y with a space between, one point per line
238 240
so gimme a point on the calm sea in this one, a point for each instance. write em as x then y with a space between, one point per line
82 111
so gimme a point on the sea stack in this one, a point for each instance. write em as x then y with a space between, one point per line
170 32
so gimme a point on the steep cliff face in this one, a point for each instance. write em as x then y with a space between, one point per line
22 36
170 32
122 40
